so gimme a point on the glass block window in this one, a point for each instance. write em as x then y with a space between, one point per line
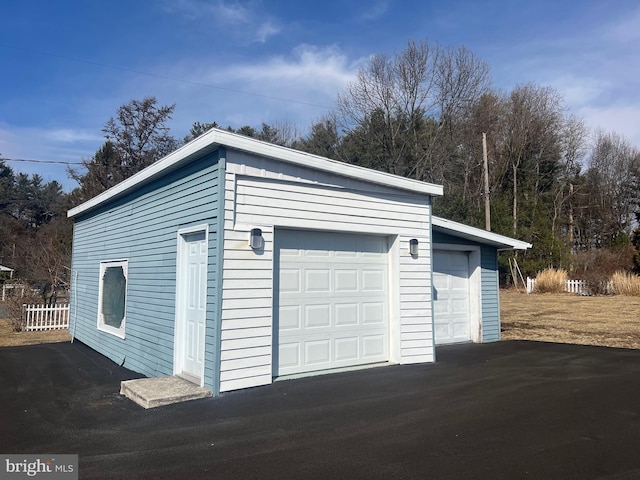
112 297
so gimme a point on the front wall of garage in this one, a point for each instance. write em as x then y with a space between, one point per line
263 193
452 296
489 287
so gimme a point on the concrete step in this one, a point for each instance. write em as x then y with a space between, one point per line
159 391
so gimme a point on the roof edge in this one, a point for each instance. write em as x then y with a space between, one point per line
289 155
507 243
153 171
215 138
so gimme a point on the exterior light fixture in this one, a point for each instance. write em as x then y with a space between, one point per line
413 247
255 239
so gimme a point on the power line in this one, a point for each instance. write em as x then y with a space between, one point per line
173 79
30 160
61 162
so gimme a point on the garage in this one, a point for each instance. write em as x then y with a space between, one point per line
451 296
310 264
332 301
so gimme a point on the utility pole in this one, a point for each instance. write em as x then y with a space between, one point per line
571 239
487 202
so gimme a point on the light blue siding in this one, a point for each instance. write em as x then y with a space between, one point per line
489 284
142 228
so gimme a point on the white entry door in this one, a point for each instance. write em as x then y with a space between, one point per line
451 296
332 301
191 306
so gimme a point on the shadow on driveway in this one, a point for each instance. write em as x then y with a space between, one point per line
506 410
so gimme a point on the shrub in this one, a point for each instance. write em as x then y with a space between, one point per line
13 305
551 280
597 282
597 266
624 283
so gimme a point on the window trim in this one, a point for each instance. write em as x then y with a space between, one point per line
118 332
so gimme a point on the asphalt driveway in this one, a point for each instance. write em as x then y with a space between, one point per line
509 410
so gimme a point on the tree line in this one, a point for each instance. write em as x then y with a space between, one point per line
419 113
35 235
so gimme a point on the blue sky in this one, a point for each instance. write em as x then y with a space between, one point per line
69 64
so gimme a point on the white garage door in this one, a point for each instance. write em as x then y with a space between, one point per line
451 296
332 302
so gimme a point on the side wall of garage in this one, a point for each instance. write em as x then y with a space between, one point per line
264 193
141 229
489 289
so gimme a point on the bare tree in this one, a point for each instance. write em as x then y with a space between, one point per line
612 183
532 122
286 133
387 103
573 138
485 116
137 137
461 80
139 132
405 109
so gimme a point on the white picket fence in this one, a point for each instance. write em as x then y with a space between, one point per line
572 286
12 288
45 317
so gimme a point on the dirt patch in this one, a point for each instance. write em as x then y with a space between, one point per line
610 321
9 338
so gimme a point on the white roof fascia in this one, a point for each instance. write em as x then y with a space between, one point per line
216 138
482 236
5 269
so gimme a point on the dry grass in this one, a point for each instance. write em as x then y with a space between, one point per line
612 321
551 281
625 283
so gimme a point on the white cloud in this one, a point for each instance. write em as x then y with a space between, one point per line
599 78
298 87
251 25
68 135
266 31
620 119
578 91
627 30
233 13
60 144
375 10
46 145
308 69
195 9
601 97
595 70
5 138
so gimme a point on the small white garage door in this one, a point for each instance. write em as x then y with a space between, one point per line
451 296
332 301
